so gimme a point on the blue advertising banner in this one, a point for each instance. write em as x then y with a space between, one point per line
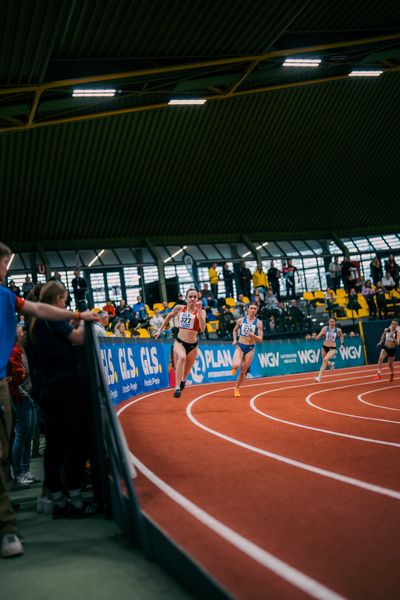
133 368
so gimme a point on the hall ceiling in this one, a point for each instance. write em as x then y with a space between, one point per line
274 152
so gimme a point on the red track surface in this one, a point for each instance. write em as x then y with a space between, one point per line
286 511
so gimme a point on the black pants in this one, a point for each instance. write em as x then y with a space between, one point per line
63 405
275 287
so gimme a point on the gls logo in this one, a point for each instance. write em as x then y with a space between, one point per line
269 359
347 352
149 360
199 368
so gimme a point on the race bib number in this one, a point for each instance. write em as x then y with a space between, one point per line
247 329
331 336
186 321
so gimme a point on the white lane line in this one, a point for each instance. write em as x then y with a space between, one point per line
335 412
293 576
360 398
319 429
289 461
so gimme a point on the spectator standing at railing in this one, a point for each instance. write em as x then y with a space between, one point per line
10 544
80 286
334 272
369 294
119 329
12 286
27 286
260 283
214 278
394 269
380 292
227 275
376 270
156 322
289 273
345 270
273 275
245 279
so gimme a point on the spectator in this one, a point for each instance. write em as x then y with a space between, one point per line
345 269
228 280
376 270
101 326
57 277
109 308
260 284
24 410
353 303
119 329
380 292
295 315
165 310
156 322
368 294
273 275
124 312
334 272
245 279
80 286
226 322
393 268
214 278
208 295
203 300
14 288
27 286
289 272
140 313
388 281
330 302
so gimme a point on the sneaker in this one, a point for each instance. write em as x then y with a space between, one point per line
177 393
20 479
377 376
318 379
86 510
16 486
332 366
30 477
182 384
236 393
233 372
11 546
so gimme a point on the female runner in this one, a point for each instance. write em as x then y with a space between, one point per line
250 331
390 339
191 320
330 333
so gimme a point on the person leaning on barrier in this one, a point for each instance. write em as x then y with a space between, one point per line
9 305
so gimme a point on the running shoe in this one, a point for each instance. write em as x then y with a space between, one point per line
11 546
332 366
177 393
236 393
183 383
233 372
377 376
318 378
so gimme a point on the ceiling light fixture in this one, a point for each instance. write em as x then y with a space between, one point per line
175 254
93 93
10 261
186 101
302 62
246 254
96 257
365 73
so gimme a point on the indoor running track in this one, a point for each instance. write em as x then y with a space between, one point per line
290 491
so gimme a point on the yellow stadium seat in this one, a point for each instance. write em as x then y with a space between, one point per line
212 326
171 304
246 300
144 333
158 305
230 302
340 293
308 296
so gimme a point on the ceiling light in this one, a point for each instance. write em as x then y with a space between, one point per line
10 261
262 245
93 93
186 101
365 73
175 254
246 254
96 257
302 62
